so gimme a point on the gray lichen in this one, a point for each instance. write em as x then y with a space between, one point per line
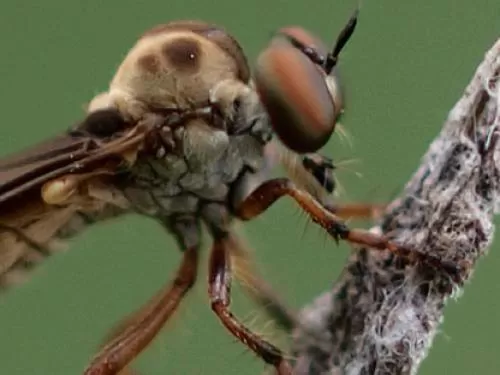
381 316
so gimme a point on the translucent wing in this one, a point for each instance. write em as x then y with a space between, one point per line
29 227
76 151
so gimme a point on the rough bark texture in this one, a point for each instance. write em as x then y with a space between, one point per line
381 316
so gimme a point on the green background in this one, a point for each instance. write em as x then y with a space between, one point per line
405 67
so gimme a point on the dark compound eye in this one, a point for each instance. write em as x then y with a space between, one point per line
313 48
299 88
305 42
295 95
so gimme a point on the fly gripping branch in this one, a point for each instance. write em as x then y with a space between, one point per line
269 192
382 316
139 150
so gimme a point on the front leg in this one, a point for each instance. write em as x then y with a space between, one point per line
322 169
270 191
315 174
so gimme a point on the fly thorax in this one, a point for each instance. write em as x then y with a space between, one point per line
174 69
203 144
125 102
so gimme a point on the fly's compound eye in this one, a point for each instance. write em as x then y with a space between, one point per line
298 87
305 42
295 95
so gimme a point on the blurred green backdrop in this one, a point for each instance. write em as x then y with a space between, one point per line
405 67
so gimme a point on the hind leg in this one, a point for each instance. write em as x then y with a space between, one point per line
130 337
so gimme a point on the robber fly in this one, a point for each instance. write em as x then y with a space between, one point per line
186 134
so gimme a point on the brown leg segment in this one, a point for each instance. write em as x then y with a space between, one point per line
269 192
357 210
126 322
133 338
220 295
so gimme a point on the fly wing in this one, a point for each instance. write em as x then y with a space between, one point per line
78 150
49 159
29 227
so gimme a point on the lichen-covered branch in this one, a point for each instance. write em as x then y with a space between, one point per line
382 314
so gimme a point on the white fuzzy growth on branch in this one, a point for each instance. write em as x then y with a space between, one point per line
383 313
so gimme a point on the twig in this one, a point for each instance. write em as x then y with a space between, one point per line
383 313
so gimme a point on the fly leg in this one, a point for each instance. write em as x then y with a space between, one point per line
356 210
219 287
220 297
128 321
270 191
315 174
261 292
322 169
134 334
